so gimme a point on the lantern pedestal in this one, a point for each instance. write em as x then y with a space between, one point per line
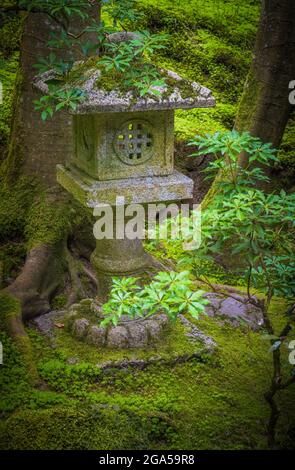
118 258
121 257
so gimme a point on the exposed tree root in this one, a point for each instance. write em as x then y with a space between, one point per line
77 290
39 279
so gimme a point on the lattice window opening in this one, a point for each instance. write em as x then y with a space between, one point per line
134 143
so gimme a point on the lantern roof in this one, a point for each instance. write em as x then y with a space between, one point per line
178 93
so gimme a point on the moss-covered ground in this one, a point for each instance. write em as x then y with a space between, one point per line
213 403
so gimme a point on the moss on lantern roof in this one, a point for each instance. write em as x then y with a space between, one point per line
107 92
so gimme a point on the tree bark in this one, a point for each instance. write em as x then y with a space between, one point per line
40 278
36 146
265 108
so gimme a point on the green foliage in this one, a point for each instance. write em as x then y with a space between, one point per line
257 227
168 292
57 8
129 60
64 98
121 11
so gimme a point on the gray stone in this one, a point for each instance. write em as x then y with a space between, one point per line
237 309
45 323
129 145
162 319
91 192
215 301
102 101
197 335
117 337
154 329
96 335
72 360
138 336
136 333
122 36
80 327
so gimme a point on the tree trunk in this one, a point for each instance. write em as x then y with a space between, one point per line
36 146
265 108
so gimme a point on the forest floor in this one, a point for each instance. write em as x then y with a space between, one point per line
211 402
214 402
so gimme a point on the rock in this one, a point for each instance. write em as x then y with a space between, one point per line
96 335
80 327
215 301
154 329
162 319
83 324
117 337
238 310
194 334
138 336
235 309
45 323
72 360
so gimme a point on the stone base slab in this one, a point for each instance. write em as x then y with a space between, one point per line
90 192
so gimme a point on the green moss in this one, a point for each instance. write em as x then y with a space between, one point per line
74 427
7 77
10 31
14 379
59 302
287 149
14 207
51 218
9 307
210 43
216 404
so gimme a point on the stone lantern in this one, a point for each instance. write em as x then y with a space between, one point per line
124 146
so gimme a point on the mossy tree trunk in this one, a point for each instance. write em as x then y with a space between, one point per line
265 108
34 150
36 146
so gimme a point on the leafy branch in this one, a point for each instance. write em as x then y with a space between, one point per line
257 227
169 293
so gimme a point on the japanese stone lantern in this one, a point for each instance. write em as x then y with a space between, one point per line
125 147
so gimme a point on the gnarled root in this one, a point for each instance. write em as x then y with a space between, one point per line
40 277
